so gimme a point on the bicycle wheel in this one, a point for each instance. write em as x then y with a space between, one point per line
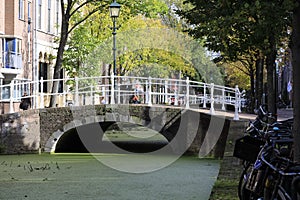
243 193
280 194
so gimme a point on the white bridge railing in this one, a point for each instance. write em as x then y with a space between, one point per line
120 89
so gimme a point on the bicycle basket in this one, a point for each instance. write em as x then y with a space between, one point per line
247 148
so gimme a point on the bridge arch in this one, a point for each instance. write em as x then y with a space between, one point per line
99 123
187 130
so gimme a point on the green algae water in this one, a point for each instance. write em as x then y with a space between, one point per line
82 176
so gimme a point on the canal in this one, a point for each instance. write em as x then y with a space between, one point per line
109 175
82 176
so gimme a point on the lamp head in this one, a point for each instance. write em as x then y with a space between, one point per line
114 9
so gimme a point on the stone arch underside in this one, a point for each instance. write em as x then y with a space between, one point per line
91 130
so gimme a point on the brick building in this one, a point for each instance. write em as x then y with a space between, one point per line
27 47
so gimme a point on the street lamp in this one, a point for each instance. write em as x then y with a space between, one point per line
114 11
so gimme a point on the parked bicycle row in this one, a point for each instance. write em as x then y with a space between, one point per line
269 172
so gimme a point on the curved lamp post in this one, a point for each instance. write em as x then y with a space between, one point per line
114 11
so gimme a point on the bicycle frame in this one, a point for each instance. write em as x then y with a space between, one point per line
283 175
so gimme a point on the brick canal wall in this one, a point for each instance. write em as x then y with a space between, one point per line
231 167
20 132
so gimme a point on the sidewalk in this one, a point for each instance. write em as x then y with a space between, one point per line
282 114
285 113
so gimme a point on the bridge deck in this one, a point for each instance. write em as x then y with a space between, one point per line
281 113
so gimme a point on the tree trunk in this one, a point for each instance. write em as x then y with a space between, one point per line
252 93
59 58
296 80
259 80
271 79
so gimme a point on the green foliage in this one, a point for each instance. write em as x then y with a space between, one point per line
236 76
235 27
145 45
96 29
147 8
155 63
225 189
155 46
239 30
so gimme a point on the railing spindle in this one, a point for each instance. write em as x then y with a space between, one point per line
212 99
149 92
11 100
187 97
42 93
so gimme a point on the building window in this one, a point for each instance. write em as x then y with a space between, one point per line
28 16
1 52
49 16
43 72
40 14
12 53
57 15
21 9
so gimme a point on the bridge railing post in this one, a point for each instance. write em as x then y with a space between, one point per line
146 92
160 99
42 105
236 104
149 92
104 95
176 94
112 89
240 99
204 95
223 98
161 92
212 99
187 96
92 96
76 100
11 100
166 92
119 93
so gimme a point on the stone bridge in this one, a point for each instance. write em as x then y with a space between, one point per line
44 130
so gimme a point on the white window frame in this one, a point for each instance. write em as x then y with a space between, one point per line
49 16
21 9
39 12
57 16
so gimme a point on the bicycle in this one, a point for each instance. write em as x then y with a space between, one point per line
283 179
249 149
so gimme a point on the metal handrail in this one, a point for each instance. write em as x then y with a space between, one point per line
116 89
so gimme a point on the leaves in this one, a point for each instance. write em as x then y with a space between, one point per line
142 41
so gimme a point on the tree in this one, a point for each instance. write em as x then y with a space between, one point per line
238 29
75 12
267 23
295 46
70 9
138 47
237 73
137 39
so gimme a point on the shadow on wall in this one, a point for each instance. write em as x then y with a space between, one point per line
15 136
